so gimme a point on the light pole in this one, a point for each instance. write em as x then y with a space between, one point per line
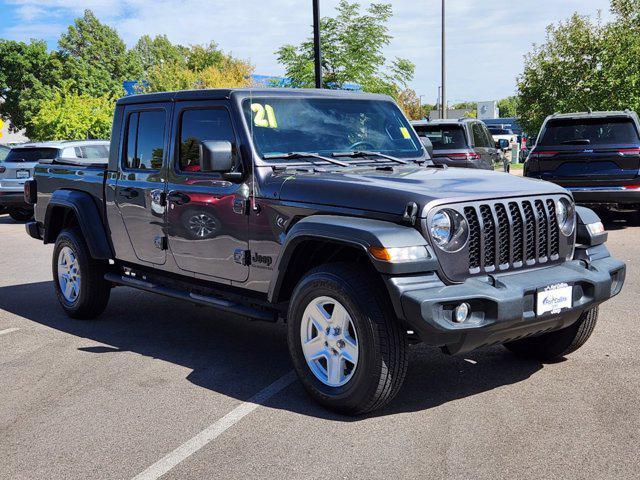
317 52
443 99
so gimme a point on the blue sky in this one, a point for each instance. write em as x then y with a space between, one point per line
486 38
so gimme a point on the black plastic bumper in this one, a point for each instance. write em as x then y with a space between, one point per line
13 199
604 196
503 306
34 229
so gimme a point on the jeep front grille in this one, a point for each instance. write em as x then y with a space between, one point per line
512 234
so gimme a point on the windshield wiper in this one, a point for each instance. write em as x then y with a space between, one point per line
578 141
365 153
301 155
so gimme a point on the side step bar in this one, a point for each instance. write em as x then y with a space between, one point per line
215 302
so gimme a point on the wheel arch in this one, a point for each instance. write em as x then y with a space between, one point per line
321 239
71 207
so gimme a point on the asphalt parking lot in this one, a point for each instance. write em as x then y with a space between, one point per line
158 385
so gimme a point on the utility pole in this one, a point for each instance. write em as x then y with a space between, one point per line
317 52
443 99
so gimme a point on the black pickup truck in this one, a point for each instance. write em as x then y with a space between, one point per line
321 209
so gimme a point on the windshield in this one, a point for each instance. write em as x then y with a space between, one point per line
324 126
31 154
443 137
590 131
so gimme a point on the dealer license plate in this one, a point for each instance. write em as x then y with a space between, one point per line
554 298
23 174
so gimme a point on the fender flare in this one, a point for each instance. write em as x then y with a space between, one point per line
360 233
89 219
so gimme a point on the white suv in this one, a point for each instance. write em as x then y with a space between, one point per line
19 163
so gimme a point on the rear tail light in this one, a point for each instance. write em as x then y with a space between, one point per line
30 192
542 154
631 187
629 151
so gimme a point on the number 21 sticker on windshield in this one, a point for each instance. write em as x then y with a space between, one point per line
264 116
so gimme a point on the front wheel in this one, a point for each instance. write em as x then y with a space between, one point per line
347 347
553 345
79 279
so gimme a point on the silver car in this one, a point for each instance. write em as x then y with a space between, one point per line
19 163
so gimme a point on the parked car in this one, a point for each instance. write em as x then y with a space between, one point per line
20 161
595 155
498 133
328 215
465 142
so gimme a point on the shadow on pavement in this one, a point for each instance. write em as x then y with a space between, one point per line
619 220
237 358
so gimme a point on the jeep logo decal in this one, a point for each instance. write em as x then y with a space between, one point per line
257 259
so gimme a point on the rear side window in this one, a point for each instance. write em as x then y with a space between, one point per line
145 140
3 153
93 151
479 137
198 126
31 154
590 131
443 137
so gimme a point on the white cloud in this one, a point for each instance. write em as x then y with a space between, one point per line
486 39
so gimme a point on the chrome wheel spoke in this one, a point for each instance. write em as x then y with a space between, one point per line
350 350
314 348
334 370
68 274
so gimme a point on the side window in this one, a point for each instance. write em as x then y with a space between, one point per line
479 139
145 140
197 126
490 142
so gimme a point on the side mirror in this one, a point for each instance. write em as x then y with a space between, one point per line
502 144
427 145
216 156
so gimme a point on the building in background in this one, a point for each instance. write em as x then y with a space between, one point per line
488 110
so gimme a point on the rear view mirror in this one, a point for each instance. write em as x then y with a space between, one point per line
428 146
502 144
216 156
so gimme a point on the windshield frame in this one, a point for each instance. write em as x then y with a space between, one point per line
302 94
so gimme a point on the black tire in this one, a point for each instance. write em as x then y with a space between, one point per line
21 214
554 345
382 342
94 290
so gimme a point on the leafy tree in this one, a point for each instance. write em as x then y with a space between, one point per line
409 101
583 64
95 59
352 47
508 106
27 73
73 116
151 52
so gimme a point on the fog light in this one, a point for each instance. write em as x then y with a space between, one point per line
461 313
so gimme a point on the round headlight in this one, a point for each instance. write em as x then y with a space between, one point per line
566 215
449 230
440 228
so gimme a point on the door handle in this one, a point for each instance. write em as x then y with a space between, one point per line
178 198
128 193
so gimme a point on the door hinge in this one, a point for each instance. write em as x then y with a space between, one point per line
160 242
241 206
242 257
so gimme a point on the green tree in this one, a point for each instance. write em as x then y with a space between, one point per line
508 106
27 74
352 45
95 59
583 64
151 52
73 116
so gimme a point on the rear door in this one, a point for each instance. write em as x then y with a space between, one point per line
207 220
139 192
589 151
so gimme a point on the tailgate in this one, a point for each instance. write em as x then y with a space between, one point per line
15 174
588 166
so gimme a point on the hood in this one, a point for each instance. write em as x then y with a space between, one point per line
390 191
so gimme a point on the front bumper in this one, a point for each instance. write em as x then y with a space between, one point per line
503 306
13 199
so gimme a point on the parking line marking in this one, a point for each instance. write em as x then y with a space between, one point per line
8 330
214 430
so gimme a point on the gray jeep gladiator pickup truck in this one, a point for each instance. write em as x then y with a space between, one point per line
321 208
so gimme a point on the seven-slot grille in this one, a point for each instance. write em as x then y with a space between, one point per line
511 234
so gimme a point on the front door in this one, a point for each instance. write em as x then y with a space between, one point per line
207 220
140 180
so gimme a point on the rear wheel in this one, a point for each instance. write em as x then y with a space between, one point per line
553 345
347 347
79 279
21 214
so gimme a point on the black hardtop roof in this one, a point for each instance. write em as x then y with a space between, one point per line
225 93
